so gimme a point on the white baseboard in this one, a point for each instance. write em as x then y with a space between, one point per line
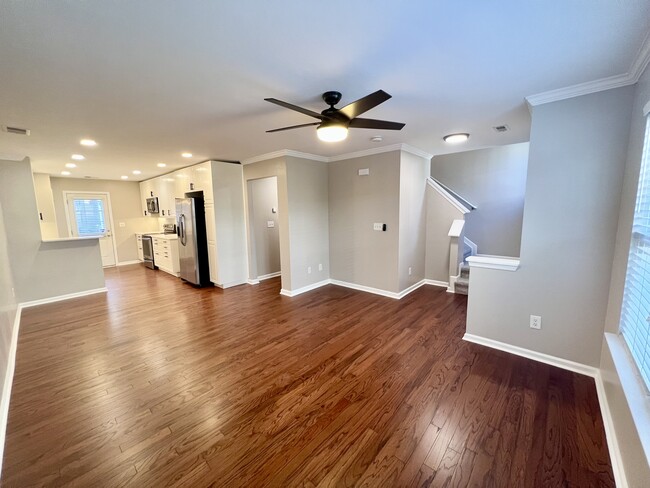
59 298
126 263
268 276
9 379
534 355
443 284
612 442
367 289
411 288
253 282
313 286
231 284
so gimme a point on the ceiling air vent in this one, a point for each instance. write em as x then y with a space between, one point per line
16 130
501 128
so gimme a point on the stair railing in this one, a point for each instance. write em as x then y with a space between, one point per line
456 250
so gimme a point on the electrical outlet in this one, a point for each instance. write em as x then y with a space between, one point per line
308 269
535 322
122 224
320 267
410 271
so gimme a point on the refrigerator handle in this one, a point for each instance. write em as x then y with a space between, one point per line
181 229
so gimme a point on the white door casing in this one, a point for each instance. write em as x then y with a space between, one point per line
99 224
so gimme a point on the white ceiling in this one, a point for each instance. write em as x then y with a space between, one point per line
149 79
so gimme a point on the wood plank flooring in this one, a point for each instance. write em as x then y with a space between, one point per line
161 384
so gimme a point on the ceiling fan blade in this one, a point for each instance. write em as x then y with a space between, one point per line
293 127
364 104
375 124
290 106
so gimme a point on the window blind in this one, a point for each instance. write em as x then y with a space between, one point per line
635 314
90 217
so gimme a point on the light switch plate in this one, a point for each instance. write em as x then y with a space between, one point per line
270 224
377 226
364 172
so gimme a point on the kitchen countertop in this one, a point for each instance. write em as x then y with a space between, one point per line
64 239
163 236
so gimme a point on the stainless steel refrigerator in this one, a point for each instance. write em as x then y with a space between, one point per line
192 239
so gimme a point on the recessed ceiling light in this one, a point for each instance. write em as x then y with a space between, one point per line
124 177
187 155
87 142
456 138
137 172
70 165
66 173
161 165
77 157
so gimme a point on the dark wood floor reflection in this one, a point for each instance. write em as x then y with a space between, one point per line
159 384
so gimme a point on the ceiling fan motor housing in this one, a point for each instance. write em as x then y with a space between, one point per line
331 98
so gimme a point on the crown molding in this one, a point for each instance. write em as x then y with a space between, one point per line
285 152
638 66
580 89
325 159
641 59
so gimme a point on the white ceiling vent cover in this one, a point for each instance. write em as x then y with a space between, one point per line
501 128
16 130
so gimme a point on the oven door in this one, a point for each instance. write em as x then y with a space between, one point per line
147 252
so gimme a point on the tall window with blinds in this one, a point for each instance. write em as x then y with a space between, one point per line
635 314
90 217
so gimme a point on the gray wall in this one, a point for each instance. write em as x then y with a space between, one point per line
358 254
440 214
264 169
636 467
414 171
493 179
263 197
42 270
307 190
8 308
575 175
125 206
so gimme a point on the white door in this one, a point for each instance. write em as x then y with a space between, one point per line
89 215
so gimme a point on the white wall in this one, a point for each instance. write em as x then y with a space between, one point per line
42 269
414 171
493 179
262 199
45 203
307 191
635 463
575 174
358 254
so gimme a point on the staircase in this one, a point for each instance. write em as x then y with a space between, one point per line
462 282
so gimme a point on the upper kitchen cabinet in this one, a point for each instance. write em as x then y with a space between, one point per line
167 199
182 180
147 188
201 179
45 203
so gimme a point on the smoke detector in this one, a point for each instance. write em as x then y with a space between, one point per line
501 128
16 130
376 139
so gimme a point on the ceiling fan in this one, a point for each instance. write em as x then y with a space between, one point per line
334 122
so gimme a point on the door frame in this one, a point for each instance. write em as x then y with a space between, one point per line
110 214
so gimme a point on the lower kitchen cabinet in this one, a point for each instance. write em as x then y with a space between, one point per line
140 251
165 254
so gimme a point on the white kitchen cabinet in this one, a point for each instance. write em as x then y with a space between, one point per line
165 253
45 203
146 191
167 200
201 180
138 238
182 179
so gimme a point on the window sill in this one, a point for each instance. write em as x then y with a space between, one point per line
636 394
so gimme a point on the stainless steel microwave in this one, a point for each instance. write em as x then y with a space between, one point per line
152 205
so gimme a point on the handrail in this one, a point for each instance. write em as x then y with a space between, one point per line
493 262
463 202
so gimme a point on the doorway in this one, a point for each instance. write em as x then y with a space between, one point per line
264 228
88 214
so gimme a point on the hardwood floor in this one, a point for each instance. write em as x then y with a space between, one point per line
160 384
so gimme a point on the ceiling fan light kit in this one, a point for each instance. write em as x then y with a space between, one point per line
335 122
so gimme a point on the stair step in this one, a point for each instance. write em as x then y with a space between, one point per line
464 270
461 286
